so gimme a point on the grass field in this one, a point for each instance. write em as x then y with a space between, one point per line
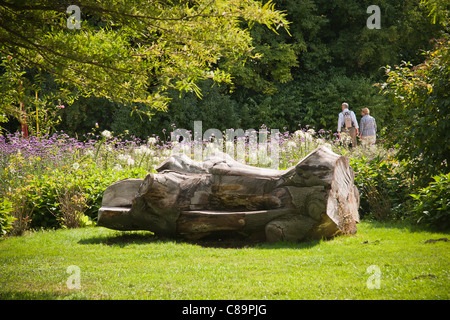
382 261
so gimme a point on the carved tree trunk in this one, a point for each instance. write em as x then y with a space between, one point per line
314 199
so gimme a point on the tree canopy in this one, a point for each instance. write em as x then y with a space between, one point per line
280 64
126 51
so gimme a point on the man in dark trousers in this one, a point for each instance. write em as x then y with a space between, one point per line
348 127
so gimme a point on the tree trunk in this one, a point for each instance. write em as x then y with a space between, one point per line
312 200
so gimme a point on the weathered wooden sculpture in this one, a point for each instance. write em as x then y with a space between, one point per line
314 199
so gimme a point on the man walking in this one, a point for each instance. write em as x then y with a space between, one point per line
348 124
368 128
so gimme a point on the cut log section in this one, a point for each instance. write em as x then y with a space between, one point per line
312 200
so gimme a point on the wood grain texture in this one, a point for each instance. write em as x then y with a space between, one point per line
312 200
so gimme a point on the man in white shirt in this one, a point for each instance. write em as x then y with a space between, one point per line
348 124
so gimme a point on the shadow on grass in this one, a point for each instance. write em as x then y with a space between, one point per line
231 240
123 238
218 240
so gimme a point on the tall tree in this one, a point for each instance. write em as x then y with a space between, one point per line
126 51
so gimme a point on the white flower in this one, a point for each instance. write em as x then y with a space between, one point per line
75 166
320 141
229 145
186 149
143 151
106 134
126 158
262 156
89 153
291 144
152 140
212 148
123 157
299 134
308 136
117 167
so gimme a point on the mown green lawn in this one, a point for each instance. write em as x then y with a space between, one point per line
136 265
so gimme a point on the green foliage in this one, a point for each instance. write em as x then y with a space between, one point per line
86 112
277 54
431 205
421 94
313 102
10 80
439 11
337 36
216 109
46 190
6 220
278 111
280 78
382 183
324 96
30 96
128 52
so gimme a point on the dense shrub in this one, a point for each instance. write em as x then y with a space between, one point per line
431 205
50 190
421 96
382 183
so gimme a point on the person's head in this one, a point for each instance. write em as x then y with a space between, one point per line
365 111
344 106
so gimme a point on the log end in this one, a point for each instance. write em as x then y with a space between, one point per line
116 218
